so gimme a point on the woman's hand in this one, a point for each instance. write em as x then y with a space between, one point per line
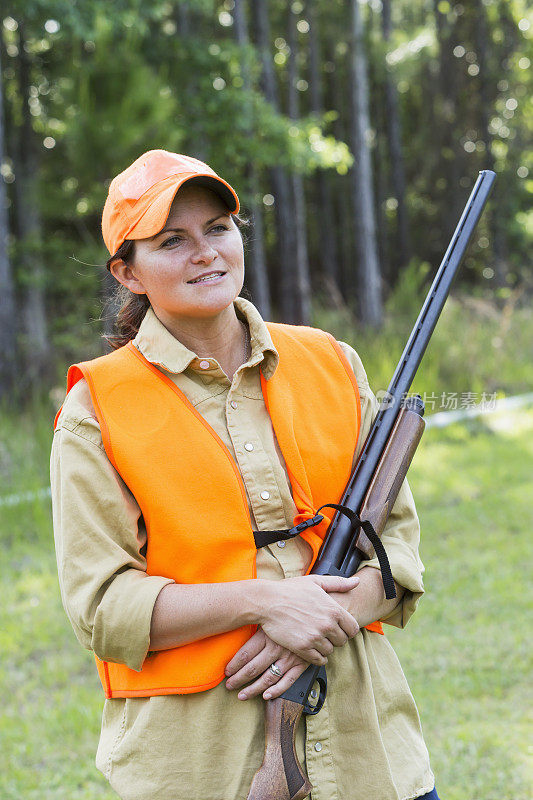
368 603
253 661
298 614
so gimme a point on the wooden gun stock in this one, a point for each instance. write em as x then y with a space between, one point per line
280 776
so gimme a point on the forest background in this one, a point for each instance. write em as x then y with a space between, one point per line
353 133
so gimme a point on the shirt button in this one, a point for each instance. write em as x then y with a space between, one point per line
204 364
249 446
318 746
282 543
233 404
265 495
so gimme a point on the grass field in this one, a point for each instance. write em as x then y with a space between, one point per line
465 652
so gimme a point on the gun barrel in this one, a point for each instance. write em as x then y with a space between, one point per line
335 548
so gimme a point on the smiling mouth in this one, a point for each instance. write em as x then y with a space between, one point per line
211 276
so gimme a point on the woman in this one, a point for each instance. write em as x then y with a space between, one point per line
204 426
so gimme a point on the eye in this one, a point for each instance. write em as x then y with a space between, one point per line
171 240
219 228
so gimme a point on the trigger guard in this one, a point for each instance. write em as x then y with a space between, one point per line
322 681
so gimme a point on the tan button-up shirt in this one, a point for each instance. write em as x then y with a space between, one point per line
366 742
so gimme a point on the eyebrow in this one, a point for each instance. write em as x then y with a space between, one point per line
182 230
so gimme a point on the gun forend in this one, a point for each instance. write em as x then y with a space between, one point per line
390 473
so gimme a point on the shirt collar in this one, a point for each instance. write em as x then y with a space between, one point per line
160 347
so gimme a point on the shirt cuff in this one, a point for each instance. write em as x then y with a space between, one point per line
406 571
121 631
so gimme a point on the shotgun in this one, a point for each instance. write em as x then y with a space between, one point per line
355 530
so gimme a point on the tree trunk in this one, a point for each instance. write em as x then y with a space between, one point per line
327 245
37 349
183 20
382 223
369 288
342 192
500 249
450 149
8 314
394 137
187 20
278 178
259 284
303 281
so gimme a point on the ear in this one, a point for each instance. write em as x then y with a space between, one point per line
126 276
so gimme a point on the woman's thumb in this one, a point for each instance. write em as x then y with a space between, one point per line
334 583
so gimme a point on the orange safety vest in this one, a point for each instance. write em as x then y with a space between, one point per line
191 493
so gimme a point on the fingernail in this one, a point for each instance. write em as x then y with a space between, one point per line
242 696
267 695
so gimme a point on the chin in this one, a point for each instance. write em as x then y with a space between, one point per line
217 297
212 306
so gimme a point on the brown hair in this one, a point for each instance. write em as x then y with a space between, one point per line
132 307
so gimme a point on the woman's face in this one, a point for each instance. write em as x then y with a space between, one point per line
198 239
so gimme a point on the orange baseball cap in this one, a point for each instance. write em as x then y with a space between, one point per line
139 199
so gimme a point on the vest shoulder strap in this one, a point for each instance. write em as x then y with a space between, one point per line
286 336
117 359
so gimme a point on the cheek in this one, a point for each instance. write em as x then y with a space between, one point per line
167 273
235 252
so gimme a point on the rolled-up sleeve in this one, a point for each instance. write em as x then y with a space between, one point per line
99 537
401 536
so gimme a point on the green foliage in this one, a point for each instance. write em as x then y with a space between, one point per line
476 347
112 78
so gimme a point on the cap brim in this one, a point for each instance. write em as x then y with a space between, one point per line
220 187
157 212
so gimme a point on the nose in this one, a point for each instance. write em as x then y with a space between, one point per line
203 252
